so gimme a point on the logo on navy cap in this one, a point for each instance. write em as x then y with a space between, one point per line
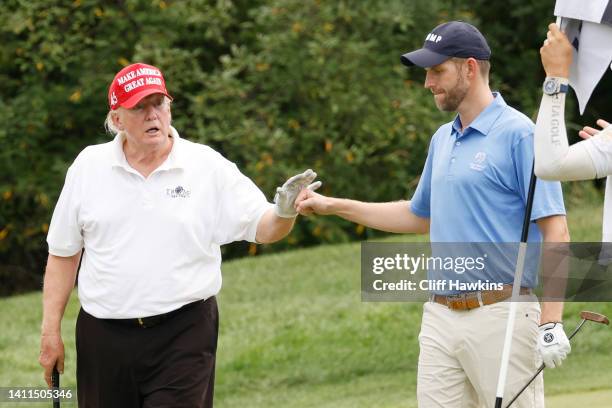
448 40
433 37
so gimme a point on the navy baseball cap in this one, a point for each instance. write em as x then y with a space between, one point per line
453 39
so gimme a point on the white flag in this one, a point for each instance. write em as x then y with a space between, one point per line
595 11
588 26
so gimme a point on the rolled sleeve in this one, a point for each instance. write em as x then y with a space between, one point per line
241 206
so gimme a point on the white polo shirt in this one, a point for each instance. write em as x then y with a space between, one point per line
151 245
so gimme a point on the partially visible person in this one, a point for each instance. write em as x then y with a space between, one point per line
149 211
555 159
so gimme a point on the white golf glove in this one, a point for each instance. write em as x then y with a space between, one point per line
553 344
286 195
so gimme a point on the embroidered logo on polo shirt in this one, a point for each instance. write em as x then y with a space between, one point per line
178 191
477 162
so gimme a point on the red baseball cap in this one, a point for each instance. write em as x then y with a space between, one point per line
133 83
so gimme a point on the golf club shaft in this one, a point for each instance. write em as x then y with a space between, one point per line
526 385
543 365
55 381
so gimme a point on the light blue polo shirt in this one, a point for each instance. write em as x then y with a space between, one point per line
474 184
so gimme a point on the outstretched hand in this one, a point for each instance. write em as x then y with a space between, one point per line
284 199
588 131
309 202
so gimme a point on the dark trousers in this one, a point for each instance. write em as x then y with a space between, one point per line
169 364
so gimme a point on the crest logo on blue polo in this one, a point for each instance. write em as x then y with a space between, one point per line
478 161
178 192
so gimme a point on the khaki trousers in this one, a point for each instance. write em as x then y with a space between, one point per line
460 356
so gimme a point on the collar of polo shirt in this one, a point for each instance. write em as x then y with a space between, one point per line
173 161
485 120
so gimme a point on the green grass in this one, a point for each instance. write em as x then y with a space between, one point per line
600 398
294 333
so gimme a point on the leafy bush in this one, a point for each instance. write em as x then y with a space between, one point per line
277 86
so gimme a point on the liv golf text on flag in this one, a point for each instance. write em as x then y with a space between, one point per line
588 26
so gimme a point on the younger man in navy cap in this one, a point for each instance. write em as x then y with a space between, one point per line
473 189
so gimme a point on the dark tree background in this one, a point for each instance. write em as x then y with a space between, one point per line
277 86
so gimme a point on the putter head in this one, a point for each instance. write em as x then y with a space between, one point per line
594 317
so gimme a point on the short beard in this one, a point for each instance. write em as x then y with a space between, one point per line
454 96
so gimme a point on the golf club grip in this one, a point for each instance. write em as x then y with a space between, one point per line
55 382
530 194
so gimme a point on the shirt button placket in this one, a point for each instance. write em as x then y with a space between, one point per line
147 202
453 159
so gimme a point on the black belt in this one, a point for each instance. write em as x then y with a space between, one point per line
150 321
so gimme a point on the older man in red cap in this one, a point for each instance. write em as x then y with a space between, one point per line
149 212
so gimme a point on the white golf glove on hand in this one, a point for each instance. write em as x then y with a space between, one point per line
553 344
286 195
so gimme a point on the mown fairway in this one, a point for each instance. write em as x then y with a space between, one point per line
294 333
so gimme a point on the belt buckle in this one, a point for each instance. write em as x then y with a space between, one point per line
456 302
141 323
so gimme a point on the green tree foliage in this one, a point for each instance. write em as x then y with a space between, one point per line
321 86
56 61
277 86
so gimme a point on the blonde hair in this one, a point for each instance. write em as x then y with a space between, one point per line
109 125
